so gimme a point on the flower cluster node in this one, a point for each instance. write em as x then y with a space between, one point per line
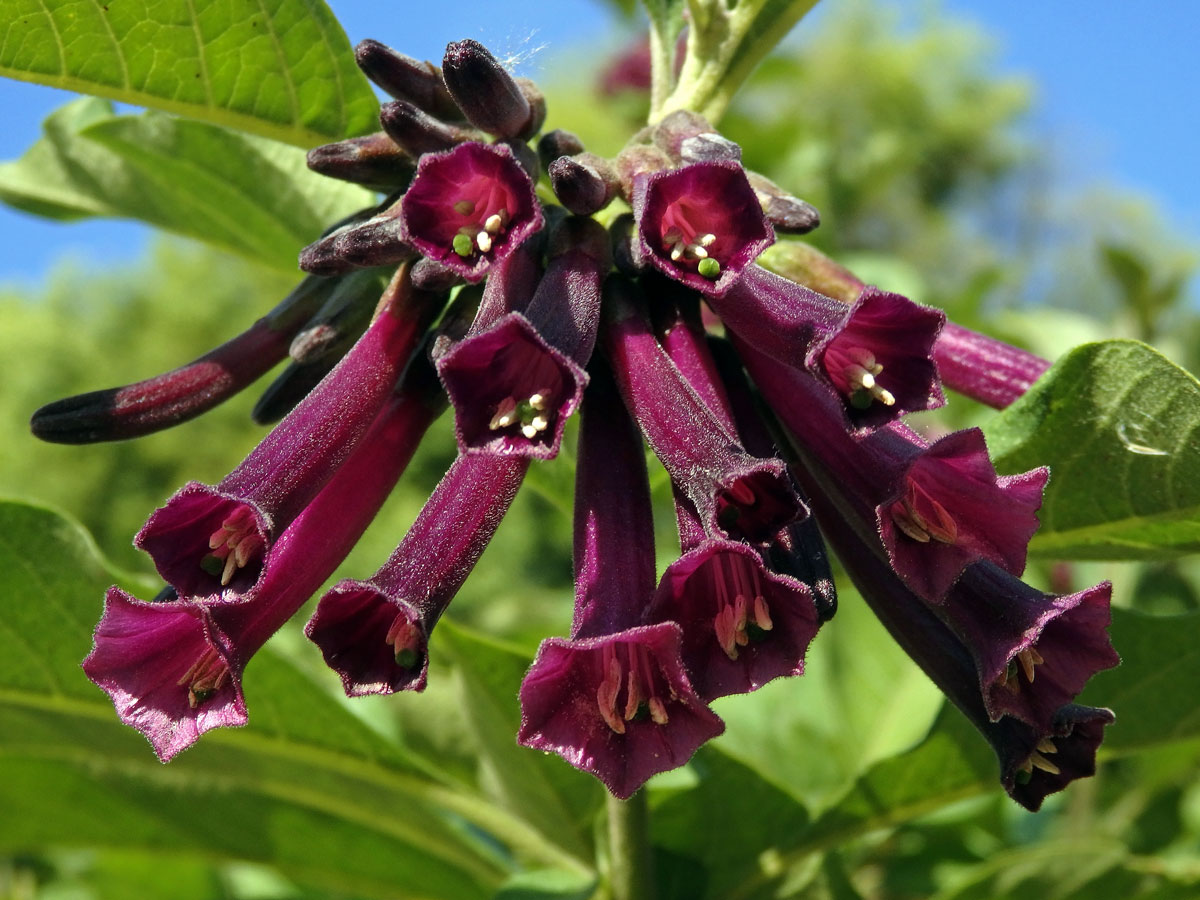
535 324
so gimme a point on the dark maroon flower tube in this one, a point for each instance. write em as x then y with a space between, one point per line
174 670
375 633
116 414
208 540
515 384
734 493
614 699
937 508
876 355
469 207
984 368
1035 759
701 224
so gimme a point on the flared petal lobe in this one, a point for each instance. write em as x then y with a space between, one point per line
950 509
742 624
618 706
470 207
701 224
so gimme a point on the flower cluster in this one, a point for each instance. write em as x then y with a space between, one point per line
515 305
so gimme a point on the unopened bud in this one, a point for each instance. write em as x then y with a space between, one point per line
342 318
788 214
430 275
639 159
376 242
418 132
405 78
677 127
490 98
806 265
374 161
620 234
581 234
709 147
584 184
556 143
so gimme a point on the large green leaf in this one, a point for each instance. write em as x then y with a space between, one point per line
1116 422
1154 690
278 68
544 790
305 787
250 195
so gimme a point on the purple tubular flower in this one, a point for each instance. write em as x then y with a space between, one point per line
613 699
469 207
742 625
207 540
375 633
184 393
951 509
1035 759
1034 651
984 368
701 224
734 493
373 160
921 500
515 385
876 355
174 670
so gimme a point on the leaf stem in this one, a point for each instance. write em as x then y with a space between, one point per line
631 873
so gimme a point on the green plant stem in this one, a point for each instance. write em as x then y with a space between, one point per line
631 874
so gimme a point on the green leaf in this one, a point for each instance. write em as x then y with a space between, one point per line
306 787
282 69
1152 690
763 818
553 797
1116 423
242 193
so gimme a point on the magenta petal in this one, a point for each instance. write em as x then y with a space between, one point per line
160 666
705 210
742 624
575 701
891 338
950 509
512 392
377 644
460 191
1015 631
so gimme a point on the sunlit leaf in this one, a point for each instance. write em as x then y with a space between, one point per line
281 69
1116 422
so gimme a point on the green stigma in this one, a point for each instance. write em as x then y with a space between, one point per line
861 399
213 565
407 658
463 245
709 268
1022 776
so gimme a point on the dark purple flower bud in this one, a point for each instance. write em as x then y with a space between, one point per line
373 160
984 368
469 207
417 132
379 241
950 508
556 143
742 625
733 492
184 393
584 184
876 355
430 275
710 147
491 99
700 225
1034 651
320 257
786 213
677 127
406 78
341 319
210 540
614 699
375 633
1034 760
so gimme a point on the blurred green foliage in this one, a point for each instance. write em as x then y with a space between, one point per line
913 148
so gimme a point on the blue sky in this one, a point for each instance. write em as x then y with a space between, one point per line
1116 87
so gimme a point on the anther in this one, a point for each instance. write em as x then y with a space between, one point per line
1040 762
483 241
606 696
464 207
